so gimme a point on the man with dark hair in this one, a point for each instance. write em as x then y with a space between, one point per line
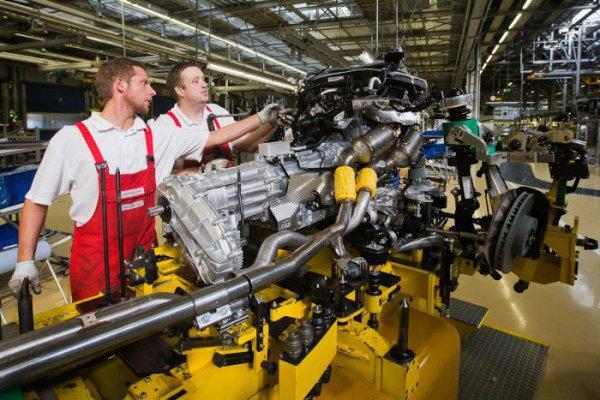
188 87
114 144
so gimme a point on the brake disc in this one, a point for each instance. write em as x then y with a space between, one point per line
518 233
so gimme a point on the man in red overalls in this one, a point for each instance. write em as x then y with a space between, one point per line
188 87
114 141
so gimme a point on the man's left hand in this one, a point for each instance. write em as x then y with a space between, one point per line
285 117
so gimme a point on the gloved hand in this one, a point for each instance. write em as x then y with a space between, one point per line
269 114
285 117
25 270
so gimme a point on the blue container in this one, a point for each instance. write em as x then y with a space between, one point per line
17 182
4 193
8 236
434 150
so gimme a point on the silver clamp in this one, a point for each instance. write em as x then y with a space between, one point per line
89 320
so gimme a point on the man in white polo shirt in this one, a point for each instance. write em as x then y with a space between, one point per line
188 87
112 145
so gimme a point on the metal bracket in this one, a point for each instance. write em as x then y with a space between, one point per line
89 320
212 317
460 135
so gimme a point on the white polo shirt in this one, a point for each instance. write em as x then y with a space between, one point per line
68 165
185 122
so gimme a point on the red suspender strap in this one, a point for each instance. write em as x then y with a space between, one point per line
175 119
225 149
149 146
217 124
91 143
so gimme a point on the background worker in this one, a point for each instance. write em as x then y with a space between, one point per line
188 87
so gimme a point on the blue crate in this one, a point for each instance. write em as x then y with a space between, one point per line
8 236
434 150
14 184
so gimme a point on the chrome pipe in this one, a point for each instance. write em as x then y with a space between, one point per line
281 269
421 243
268 250
31 342
360 209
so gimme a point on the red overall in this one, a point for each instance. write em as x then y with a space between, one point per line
87 253
208 154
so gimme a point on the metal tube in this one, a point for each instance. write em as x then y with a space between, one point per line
53 359
261 278
268 249
421 243
120 234
105 231
360 208
31 343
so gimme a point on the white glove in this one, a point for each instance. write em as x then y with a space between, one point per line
285 117
25 270
269 114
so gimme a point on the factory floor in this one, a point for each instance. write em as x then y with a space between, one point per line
566 318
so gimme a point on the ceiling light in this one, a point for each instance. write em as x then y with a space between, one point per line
248 76
514 22
495 49
503 37
211 35
527 4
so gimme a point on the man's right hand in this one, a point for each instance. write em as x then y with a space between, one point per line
25 270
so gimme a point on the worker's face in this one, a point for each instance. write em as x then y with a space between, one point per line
139 92
193 87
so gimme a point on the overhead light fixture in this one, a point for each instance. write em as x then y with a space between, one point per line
104 41
514 22
248 76
495 49
366 57
527 4
32 37
503 37
211 35
488 59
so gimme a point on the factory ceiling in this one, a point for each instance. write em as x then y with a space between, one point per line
277 40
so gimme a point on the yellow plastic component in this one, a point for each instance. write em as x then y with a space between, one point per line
344 184
367 179
295 381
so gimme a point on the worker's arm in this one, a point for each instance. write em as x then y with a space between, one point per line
31 221
250 141
231 132
236 130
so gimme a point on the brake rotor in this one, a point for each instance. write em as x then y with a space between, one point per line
517 229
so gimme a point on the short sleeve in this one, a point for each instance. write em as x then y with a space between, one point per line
52 178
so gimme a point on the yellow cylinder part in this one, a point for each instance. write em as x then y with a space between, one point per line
373 304
344 184
367 179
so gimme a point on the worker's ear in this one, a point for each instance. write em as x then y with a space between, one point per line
120 85
179 91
